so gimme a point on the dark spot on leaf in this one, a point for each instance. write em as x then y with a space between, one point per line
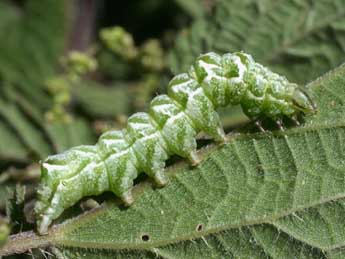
145 237
199 227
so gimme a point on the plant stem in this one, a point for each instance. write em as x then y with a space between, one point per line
23 242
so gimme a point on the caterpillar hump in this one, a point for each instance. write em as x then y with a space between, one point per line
169 127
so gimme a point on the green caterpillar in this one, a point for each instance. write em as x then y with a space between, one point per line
170 127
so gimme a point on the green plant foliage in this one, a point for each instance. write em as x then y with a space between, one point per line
15 207
102 101
194 8
70 133
32 40
78 64
300 39
275 194
10 147
4 231
119 42
42 27
20 123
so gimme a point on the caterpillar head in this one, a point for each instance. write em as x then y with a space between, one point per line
302 102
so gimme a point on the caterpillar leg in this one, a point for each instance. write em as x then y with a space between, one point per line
259 125
127 198
160 178
125 191
280 124
295 120
194 158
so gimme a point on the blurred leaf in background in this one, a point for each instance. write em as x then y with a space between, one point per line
4 230
300 39
33 38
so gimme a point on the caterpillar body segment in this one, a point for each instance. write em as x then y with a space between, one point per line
169 127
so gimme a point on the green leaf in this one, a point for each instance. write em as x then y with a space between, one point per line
192 7
4 231
42 26
300 39
5 193
101 101
68 134
10 147
32 36
32 138
278 194
15 207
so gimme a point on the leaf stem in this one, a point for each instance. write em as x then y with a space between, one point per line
23 242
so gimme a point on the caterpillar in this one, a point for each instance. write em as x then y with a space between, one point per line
169 127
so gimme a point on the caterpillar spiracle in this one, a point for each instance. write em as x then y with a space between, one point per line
169 127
